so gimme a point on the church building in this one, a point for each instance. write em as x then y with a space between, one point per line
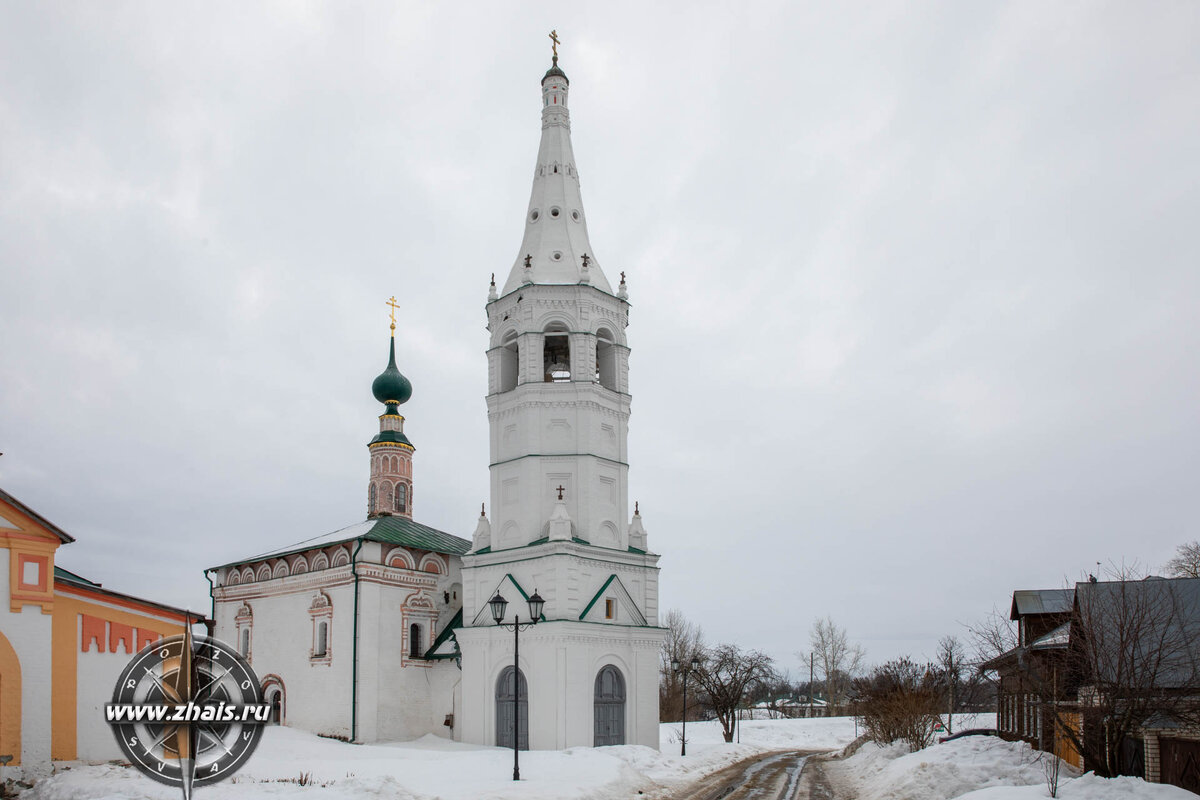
384 629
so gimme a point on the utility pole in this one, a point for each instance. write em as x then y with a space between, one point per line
952 679
810 685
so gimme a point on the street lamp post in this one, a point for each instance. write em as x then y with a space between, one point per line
499 604
685 671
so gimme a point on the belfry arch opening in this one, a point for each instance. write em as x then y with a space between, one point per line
556 354
606 359
509 362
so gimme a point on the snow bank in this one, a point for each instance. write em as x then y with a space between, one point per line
1088 787
982 768
436 768
942 771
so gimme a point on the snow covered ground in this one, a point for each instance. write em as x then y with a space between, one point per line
436 768
978 768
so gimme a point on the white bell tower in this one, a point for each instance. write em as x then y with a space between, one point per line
558 406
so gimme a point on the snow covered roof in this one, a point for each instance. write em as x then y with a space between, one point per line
1055 639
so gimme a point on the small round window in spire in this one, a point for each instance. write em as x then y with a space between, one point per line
533 215
575 216
557 255
554 212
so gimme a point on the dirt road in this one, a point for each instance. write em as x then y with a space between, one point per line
774 776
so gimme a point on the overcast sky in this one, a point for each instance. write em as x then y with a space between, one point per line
914 286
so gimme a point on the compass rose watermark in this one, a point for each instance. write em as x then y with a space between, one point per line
188 712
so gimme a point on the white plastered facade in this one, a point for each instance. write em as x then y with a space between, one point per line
558 407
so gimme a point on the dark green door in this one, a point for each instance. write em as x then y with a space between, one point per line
505 690
610 707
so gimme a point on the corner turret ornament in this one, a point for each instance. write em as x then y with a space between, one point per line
527 276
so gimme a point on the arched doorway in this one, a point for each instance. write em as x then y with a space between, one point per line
10 701
610 707
506 689
274 696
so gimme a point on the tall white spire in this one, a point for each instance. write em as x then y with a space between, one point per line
556 242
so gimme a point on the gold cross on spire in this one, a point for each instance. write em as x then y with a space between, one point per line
392 302
555 40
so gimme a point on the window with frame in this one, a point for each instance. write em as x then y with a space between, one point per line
415 649
321 613
610 608
322 640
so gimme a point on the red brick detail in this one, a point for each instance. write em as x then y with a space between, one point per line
93 630
118 633
145 637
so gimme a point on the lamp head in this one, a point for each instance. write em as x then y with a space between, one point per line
499 605
536 604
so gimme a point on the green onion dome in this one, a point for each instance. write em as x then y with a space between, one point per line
391 387
556 72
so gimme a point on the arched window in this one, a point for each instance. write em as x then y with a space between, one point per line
508 689
414 641
609 705
322 640
245 642
606 360
401 497
509 362
556 354
371 500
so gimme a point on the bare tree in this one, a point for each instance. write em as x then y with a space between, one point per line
992 636
951 657
1186 563
837 661
727 675
684 640
899 701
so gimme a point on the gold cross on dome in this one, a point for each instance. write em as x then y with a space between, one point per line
392 302
555 40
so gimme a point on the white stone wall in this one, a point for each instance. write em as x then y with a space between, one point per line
560 661
95 679
398 697
566 575
316 691
28 632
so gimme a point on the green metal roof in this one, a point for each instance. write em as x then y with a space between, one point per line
391 437
402 530
447 633
61 574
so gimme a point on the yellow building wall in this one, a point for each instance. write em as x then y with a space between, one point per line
66 650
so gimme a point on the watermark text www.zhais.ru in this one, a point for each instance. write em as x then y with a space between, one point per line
186 712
